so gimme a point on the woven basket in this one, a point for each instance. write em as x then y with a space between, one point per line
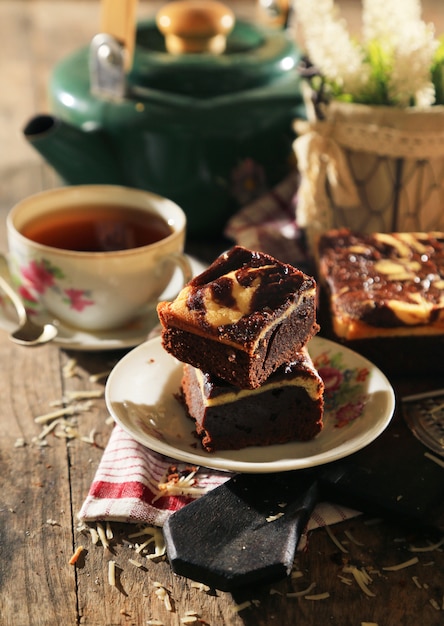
372 169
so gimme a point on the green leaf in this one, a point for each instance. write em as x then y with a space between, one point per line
437 73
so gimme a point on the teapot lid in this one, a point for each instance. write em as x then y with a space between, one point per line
253 57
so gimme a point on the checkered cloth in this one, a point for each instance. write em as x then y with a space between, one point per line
269 224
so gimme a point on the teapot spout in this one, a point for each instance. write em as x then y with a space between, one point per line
79 156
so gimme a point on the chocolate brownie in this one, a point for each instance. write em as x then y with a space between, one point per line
241 318
383 284
287 407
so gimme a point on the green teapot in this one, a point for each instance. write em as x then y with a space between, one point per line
202 113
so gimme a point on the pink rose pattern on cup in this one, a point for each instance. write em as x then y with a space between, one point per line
344 393
38 276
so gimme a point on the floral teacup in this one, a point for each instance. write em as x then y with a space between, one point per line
101 284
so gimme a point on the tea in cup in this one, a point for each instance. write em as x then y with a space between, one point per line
94 256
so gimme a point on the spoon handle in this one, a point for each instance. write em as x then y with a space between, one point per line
10 292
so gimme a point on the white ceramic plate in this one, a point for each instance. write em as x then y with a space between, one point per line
128 336
140 394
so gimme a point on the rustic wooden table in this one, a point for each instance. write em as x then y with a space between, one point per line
42 487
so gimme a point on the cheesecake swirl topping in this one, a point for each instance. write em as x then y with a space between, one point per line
242 295
386 279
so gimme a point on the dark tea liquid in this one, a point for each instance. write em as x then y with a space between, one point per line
97 228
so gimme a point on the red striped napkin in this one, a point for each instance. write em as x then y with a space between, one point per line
126 487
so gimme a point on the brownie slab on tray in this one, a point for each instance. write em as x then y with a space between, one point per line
383 295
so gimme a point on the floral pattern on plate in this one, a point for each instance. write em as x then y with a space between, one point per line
141 396
344 393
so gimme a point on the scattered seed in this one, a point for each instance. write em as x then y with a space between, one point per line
108 531
200 586
300 594
69 369
273 518
395 568
434 458
75 557
349 536
429 548
94 378
102 535
83 395
275 592
90 438
162 593
361 577
335 540
52 415
237 608
112 573
319 596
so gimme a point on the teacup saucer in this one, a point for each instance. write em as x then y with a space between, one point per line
128 336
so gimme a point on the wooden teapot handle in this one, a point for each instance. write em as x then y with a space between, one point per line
118 18
193 26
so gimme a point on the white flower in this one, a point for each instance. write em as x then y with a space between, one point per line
410 77
383 20
391 65
329 45
410 44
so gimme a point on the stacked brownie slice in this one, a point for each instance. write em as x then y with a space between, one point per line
241 329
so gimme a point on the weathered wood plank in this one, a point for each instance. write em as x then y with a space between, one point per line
35 510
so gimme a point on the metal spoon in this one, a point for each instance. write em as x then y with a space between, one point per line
28 332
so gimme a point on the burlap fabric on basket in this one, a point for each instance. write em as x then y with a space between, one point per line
371 168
